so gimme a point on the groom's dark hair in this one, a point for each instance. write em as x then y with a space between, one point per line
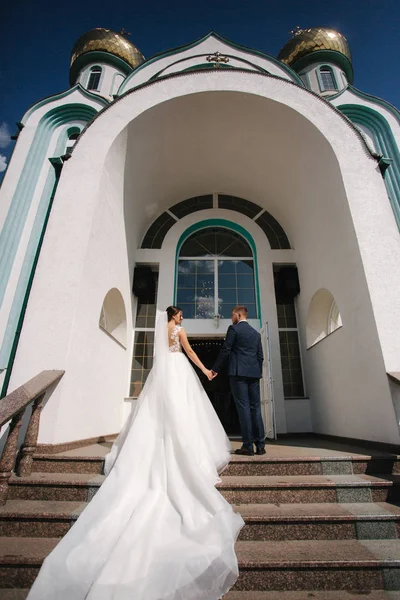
172 311
241 309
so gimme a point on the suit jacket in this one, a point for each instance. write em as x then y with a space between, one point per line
243 348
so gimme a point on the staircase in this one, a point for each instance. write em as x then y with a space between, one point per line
322 521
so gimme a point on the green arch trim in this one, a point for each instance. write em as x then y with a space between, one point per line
89 95
226 225
289 71
370 98
386 146
21 202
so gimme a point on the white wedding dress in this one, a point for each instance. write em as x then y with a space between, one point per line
157 529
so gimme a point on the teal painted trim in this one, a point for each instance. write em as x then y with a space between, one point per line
61 96
385 145
21 201
94 57
323 56
24 276
289 71
319 77
27 290
379 101
307 83
208 65
227 225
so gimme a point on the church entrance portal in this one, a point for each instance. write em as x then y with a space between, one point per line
218 390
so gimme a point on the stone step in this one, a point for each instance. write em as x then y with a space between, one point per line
311 595
296 595
81 487
366 520
309 489
355 565
350 565
242 465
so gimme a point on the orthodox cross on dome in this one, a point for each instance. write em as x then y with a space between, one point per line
217 58
297 30
124 32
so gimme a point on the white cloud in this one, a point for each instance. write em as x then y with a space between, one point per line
3 163
4 135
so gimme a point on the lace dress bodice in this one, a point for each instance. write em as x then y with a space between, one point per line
173 341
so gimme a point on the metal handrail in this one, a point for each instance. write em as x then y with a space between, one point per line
12 409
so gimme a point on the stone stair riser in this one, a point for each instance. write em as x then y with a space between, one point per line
236 495
307 577
257 531
53 464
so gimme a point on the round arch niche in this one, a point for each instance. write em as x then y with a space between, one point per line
323 317
113 316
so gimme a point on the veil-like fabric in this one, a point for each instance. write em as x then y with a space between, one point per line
157 529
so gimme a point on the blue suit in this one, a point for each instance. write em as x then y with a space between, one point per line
244 350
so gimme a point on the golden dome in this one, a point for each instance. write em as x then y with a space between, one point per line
105 40
306 41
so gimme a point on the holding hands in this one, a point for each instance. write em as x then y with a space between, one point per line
210 374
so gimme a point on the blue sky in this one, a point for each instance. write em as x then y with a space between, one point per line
36 38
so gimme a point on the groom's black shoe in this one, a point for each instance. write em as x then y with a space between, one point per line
244 451
260 451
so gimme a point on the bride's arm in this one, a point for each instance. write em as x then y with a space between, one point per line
192 354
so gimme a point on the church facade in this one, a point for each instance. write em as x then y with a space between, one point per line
208 176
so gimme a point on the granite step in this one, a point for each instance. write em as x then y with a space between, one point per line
296 595
236 489
310 489
352 565
311 595
242 465
365 520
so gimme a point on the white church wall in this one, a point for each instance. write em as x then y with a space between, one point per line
45 169
335 237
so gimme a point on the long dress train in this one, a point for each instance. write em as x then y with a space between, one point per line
157 529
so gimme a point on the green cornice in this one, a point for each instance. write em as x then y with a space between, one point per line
322 56
293 75
386 146
21 203
89 95
94 57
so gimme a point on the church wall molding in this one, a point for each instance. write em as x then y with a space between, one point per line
386 146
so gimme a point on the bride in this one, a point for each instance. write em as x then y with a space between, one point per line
157 529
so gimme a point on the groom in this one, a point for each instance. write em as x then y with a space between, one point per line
243 348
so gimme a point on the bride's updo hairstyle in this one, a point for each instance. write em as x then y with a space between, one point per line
172 311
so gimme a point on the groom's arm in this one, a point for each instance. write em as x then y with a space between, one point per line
225 350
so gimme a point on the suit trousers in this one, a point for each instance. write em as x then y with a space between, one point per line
246 393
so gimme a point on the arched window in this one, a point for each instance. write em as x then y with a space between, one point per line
323 317
215 274
327 80
113 316
94 78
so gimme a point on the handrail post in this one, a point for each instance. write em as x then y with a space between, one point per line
25 459
8 457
